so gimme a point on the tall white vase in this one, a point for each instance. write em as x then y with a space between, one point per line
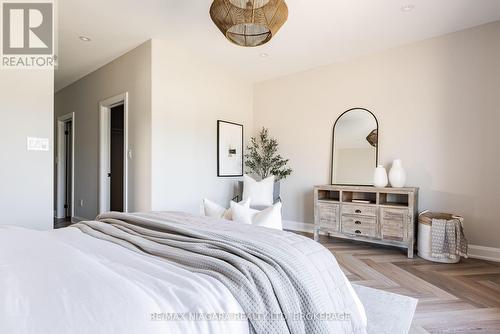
380 177
397 175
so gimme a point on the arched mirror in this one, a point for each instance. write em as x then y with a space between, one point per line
355 147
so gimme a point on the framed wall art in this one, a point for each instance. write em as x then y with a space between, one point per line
229 149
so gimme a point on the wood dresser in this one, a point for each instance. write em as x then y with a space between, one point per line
385 216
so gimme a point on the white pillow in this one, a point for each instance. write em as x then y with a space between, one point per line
270 217
261 193
214 210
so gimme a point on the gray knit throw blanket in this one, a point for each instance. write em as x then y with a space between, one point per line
448 239
265 276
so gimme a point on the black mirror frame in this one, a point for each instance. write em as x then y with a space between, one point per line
333 146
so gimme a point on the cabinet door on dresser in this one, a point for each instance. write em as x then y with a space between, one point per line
328 216
394 224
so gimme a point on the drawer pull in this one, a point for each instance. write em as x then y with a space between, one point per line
357 232
358 211
357 222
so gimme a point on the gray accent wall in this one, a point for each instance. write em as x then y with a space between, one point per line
26 182
129 73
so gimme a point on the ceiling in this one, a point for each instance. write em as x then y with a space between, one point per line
318 32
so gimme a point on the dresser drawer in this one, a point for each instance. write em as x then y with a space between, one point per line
362 226
394 224
364 210
328 216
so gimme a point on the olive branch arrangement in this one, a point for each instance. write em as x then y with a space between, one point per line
263 158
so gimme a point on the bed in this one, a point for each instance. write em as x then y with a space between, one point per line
171 273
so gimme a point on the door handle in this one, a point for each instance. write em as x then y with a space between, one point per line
109 174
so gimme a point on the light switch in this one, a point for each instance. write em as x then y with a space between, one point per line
38 144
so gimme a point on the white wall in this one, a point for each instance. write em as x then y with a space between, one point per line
129 73
189 96
438 104
26 110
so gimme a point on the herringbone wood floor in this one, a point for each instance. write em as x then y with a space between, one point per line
459 298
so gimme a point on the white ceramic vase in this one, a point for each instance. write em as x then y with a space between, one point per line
397 175
380 177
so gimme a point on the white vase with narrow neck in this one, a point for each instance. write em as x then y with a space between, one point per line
397 175
380 177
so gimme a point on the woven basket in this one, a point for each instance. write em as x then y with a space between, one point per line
427 217
425 236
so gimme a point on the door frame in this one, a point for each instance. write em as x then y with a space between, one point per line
105 150
60 161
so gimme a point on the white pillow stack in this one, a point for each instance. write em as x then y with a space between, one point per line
255 194
214 210
261 192
270 217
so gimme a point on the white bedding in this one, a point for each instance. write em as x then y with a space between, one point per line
64 282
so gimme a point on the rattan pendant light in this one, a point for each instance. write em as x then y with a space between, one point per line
249 22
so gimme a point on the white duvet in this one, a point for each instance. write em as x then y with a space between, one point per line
67 282
63 281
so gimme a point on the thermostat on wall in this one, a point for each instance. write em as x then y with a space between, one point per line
38 144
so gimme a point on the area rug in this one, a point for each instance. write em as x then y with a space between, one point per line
386 312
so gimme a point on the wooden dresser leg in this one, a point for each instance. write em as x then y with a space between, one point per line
410 251
316 233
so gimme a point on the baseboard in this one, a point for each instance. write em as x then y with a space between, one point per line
298 226
484 253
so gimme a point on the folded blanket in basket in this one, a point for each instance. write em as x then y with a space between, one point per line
448 239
